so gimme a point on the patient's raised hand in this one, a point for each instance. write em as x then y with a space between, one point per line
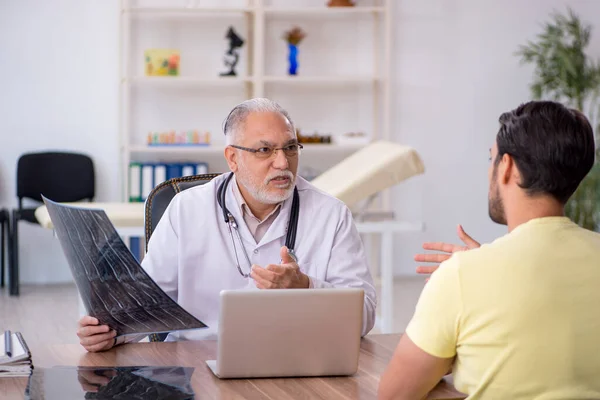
444 250
93 336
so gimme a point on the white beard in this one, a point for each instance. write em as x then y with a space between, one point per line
260 190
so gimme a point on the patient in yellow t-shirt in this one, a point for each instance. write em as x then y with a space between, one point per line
518 318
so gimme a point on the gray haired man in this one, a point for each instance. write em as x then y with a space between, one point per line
193 254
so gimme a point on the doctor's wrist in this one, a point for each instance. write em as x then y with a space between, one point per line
306 281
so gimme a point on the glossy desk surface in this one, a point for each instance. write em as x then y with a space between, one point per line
376 351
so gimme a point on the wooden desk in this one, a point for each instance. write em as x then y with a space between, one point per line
376 351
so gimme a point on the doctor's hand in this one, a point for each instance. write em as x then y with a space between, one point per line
93 336
284 276
446 251
92 380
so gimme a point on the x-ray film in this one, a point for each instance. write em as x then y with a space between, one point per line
112 284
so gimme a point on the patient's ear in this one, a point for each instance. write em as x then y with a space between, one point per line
508 171
231 158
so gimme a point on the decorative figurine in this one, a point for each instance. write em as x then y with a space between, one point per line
232 55
293 38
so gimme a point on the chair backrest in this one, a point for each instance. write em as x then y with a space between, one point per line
156 204
60 176
160 197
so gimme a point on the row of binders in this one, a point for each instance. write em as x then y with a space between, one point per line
143 177
15 357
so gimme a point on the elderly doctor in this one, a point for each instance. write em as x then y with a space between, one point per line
192 255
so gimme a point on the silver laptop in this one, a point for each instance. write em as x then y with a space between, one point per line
288 332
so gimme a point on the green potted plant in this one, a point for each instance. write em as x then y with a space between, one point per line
565 73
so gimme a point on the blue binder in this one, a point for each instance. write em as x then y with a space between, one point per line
173 171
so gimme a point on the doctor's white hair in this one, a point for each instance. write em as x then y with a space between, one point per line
234 123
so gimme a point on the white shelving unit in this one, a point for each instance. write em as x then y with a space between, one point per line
321 80
322 12
159 81
170 12
200 96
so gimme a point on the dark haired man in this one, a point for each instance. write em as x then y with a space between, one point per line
518 318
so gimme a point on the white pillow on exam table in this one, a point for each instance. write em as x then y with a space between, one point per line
376 167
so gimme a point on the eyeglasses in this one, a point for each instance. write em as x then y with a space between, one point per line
291 150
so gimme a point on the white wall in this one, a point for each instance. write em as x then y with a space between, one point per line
58 76
455 72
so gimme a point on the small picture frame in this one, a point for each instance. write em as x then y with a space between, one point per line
161 62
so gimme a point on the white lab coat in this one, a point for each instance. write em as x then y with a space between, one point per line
190 255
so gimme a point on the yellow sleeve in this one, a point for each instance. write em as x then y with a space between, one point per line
434 326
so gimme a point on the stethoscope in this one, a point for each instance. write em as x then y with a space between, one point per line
290 238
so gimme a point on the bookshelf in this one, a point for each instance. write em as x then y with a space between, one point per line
342 85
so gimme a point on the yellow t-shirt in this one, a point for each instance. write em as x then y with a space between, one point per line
521 315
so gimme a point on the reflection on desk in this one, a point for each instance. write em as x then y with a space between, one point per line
376 351
150 383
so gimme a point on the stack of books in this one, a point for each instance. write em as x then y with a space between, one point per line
15 357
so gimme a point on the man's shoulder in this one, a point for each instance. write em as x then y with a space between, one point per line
531 240
507 251
486 255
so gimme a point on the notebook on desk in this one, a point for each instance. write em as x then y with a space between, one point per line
15 357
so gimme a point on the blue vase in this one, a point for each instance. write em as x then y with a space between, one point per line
293 59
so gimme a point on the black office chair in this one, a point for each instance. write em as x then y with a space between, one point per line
59 176
4 228
156 204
